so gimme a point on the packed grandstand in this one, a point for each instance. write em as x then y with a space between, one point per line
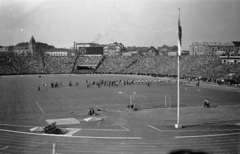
207 68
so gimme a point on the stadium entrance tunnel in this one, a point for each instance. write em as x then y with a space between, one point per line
86 67
55 130
60 131
50 129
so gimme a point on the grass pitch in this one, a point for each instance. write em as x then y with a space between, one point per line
19 95
22 104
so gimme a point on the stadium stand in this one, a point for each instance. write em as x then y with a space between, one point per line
59 65
115 64
206 68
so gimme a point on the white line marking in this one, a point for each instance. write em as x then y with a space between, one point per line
86 137
154 128
99 107
221 86
102 115
99 122
118 130
123 127
213 135
184 104
5 147
212 99
40 107
16 125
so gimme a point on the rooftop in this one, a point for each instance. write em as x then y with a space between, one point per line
214 43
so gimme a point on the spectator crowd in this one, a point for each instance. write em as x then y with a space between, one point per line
207 68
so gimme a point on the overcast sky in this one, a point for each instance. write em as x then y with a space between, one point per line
131 22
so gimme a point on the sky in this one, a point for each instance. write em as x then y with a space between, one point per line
130 22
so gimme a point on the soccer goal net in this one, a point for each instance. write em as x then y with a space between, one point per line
152 101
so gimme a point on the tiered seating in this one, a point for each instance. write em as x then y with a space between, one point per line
115 64
59 65
207 67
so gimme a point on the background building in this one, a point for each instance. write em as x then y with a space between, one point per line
57 52
22 49
31 48
212 48
79 45
6 49
112 49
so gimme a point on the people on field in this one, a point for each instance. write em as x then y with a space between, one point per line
56 84
91 111
77 85
45 85
197 83
206 103
52 85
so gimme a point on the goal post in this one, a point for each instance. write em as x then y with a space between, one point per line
149 101
167 100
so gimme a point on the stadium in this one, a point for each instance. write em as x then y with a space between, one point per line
46 103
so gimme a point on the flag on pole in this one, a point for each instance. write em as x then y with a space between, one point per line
179 35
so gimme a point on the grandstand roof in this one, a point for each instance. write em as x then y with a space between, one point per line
58 50
220 44
72 50
213 43
22 44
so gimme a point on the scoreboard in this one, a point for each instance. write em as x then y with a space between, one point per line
91 50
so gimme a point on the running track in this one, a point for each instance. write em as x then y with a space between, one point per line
14 142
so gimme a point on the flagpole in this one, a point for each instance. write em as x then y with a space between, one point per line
178 125
178 96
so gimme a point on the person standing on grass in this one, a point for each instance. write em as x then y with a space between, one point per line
208 103
56 84
77 85
52 85
89 111
45 85
38 87
205 102
93 112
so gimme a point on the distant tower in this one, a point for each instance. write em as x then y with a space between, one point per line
32 46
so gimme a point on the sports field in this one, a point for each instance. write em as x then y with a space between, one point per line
150 129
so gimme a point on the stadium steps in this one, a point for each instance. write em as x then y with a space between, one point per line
131 64
14 65
99 63
75 62
44 64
